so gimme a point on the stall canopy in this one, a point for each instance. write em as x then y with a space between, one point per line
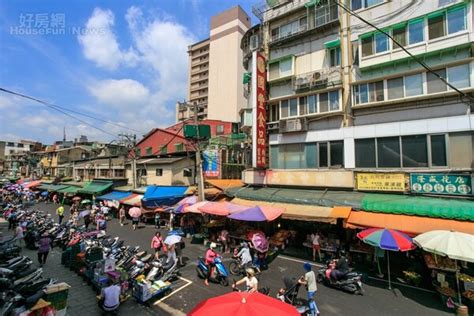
156 196
132 200
70 189
32 184
114 196
96 187
419 206
52 187
303 212
409 224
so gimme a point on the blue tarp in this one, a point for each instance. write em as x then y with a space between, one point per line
114 195
157 196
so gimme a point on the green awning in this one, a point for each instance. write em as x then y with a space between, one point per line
96 187
419 206
333 44
311 3
70 189
298 196
275 60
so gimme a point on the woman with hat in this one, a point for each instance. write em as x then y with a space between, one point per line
44 244
250 281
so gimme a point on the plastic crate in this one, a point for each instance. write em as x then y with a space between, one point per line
57 295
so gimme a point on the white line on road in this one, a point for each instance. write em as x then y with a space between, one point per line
189 282
300 261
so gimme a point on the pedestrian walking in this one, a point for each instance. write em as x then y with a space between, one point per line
87 220
60 213
316 241
309 280
55 199
44 245
157 220
19 235
135 221
122 215
157 244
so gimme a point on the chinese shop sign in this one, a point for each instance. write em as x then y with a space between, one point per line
453 184
259 112
381 182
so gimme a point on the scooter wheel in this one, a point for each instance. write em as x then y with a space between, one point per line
224 281
234 268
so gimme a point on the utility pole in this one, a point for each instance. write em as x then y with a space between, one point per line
130 141
198 155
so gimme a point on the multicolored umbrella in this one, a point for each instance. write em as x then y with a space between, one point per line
194 208
257 214
387 239
244 303
187 201
172 239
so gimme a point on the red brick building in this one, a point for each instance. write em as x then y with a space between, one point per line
171 139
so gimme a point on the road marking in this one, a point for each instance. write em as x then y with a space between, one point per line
300 261
189 282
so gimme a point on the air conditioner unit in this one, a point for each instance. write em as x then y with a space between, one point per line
302 82
293 125
254 42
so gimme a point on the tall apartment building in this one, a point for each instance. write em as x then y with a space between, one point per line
344 99
215 69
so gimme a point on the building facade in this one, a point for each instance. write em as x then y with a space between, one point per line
215 69
345 99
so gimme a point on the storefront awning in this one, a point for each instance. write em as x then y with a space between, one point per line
419 206
409 224
299 196
114 196
156 196
70 189
333 44
225 183
303 212
53 187
96 187
132 200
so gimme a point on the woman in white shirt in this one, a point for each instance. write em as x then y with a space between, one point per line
316 246
250 281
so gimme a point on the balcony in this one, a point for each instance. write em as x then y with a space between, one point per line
316 80
265 11
204 53
199 62
198 70
199 79
199 87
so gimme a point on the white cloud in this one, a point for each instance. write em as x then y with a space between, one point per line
120 93
99 43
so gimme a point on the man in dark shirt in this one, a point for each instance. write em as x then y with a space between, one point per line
342 267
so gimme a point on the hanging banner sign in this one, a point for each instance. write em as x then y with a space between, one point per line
435 183
259 95
394 182
210 163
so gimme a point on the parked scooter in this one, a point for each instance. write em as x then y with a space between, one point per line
219 273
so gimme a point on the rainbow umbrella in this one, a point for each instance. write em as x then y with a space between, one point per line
387 239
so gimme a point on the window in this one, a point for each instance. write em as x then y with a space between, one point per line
312 106
303 104
381 43
434 83
281 69
323 155
274 113
367 46
274 157
456 19
179 147
311 155
294 107
284 108
376 91
337 153
334 56
163 150
10 144
159 172
19 145
413 85
399 35
187 173
438 150
220 129
459 76
364 93
395 88
334 100
436 25
356 4
365 153
293 156
148 151
415 31
103 173
415 151
323 102
119 173
326 11
360 4
388 152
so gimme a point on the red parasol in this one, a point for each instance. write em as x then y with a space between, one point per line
243 304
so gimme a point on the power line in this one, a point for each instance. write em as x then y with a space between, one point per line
415 58
59 108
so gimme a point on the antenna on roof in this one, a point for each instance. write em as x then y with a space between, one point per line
64 134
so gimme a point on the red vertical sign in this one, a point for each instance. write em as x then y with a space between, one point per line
261 116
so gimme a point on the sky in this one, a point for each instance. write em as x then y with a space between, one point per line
124 62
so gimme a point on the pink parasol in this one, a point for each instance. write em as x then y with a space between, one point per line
259 242
221 208
194 208
135 212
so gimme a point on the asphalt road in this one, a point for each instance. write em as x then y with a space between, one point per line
378 300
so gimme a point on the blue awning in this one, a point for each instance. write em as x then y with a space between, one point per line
114 195
157 196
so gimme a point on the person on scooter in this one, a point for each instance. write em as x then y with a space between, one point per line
244 255
211 254
309 280
250 281
342 267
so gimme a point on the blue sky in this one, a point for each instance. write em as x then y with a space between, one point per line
123 61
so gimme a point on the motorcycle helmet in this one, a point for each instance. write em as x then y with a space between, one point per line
307 266
250 272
